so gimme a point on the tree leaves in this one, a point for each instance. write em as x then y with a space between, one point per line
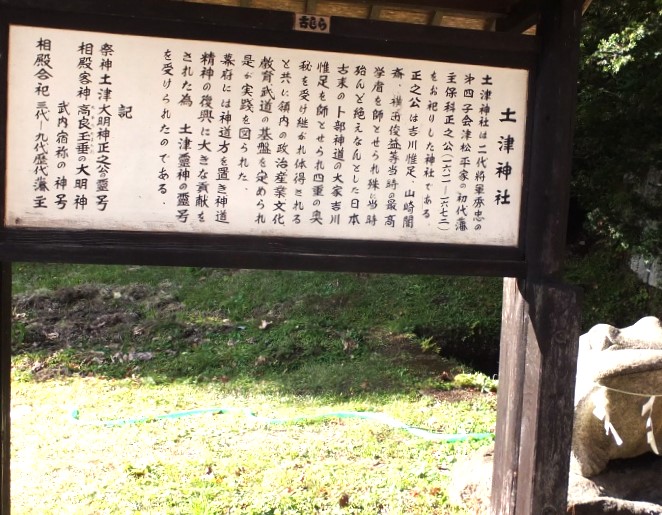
617 142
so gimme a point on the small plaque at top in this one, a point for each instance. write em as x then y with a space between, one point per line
312 23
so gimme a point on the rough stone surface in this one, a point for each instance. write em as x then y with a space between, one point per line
619 371
471 482
613 471
631 486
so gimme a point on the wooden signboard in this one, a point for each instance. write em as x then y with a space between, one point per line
184 134
226 138
402 157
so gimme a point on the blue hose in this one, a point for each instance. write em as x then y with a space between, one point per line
367 415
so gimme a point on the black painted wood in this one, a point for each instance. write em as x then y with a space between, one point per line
255 252
274 28
5 383
540 316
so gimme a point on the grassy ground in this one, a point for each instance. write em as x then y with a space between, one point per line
229 463
126 342
123 342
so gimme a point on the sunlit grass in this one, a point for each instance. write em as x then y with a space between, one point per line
222 462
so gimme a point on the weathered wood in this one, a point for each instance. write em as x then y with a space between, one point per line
254 252
539 337
554 103
375 12
514 323
274 28
5 383
436 18
311 6
548 402
540 316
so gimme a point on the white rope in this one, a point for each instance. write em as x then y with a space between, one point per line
628 393
646 411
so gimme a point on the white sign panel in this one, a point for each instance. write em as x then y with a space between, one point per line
133 133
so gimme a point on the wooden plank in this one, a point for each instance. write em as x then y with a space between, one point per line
548 401
481 6
512 354
5 383
553 114
540 334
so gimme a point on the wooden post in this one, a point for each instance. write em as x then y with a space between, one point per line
539 336
540 319
548 399
514 322
5 382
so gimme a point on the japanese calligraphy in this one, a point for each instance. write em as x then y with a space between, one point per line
225 138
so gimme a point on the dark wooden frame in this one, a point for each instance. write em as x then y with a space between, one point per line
205 22
540 315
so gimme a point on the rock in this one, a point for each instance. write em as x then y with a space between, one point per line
619 374
471 482
618 422
632 486
625 487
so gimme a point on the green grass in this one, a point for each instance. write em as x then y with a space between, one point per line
123 342
253 322
229 463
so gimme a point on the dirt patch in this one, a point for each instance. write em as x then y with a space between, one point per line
456 395
401 349
74 329
70 317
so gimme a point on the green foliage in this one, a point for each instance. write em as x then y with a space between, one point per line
612 293
476 380
617 141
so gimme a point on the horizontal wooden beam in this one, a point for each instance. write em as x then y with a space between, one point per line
459 9
375 12
477 15
486 6
173 249
524 16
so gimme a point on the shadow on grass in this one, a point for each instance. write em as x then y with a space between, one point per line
306 334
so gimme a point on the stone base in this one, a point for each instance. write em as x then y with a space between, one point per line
632 486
